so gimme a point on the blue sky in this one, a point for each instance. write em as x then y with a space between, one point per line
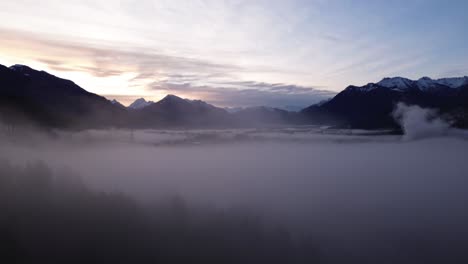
235 53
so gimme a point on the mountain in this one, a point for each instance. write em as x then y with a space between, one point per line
371 105
173 111
118 104
233 109
424 84
264 116
292 108
140 104
28 95
31 96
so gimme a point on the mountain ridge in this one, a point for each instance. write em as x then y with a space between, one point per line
371 105
29 94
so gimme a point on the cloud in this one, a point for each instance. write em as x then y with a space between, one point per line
101 61
95 71
154 71
300 42
332 38
248 93
418 122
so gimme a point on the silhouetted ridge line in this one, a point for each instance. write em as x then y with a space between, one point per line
30 96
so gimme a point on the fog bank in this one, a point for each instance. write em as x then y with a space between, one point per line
363 198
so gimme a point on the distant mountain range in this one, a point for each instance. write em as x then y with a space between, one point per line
142 103
28 95
371 105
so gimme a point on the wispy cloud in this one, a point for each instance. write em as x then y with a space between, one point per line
125 47
247 93
162 73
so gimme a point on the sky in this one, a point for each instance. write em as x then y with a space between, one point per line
235 53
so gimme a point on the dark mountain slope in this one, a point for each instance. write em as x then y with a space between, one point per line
29 95
173 111
371 106
264 116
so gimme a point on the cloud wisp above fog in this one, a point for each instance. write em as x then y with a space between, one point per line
420 123
247 94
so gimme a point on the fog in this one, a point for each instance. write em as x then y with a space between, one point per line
420 123
362 196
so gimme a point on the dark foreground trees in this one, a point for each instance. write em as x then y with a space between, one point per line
51 217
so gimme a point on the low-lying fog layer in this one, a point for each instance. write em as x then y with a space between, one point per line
361 195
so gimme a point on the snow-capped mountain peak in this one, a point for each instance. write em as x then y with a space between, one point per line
395 82
425 83
140 104
453 82
366 88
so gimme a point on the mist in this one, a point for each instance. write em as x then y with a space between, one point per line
357 196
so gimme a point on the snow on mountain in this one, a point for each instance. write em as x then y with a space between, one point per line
366 88
423 84
453 82
426 83
140 104
396 82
